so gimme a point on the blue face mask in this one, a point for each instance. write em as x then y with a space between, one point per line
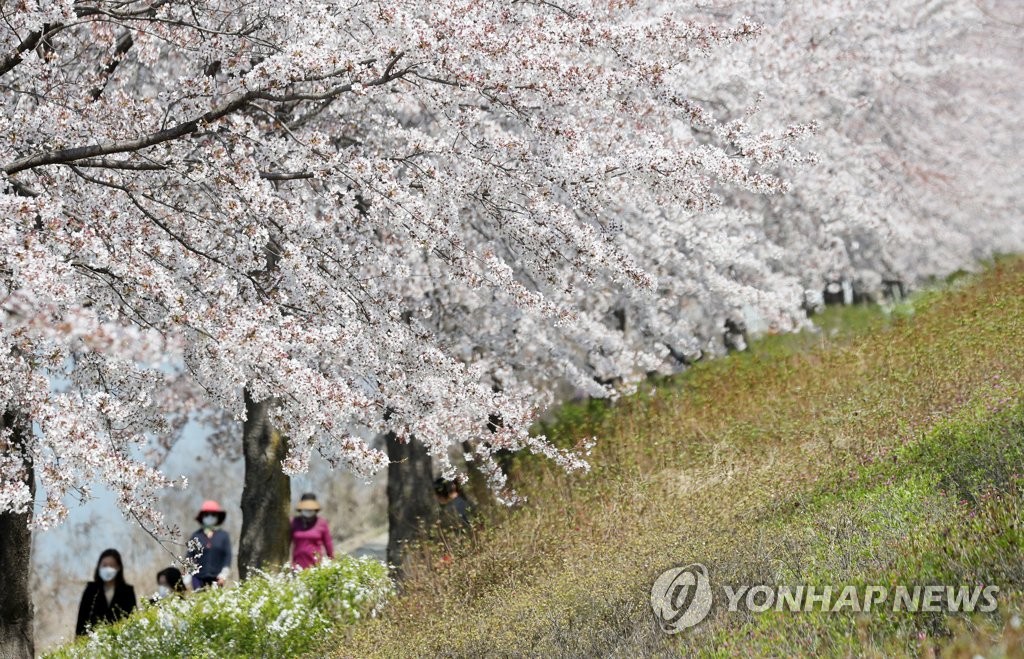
308 514
209 521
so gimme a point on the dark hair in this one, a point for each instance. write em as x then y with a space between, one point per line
308 496
444 487
221 516
173 577
116 555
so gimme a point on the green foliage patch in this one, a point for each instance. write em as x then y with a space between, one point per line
282 614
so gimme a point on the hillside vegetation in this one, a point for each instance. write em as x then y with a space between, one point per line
886 449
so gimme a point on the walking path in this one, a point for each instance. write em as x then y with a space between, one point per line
372 543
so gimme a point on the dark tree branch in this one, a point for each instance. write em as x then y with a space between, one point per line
286 176
109 163
14 58
129 165
124 44
70 155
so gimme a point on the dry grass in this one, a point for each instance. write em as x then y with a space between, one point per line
811 458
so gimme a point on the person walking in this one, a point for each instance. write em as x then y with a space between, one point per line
168 582
311 539
210 547
455 508
107 598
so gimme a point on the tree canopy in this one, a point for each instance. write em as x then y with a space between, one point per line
421 216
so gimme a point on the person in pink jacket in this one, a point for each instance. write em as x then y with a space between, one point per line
311 539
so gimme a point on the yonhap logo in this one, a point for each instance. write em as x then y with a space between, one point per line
681 597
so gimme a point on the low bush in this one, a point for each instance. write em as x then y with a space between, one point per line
268 615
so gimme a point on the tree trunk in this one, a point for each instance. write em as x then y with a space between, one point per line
266 495
411 501
16 639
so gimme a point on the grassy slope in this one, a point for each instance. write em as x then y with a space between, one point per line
892 452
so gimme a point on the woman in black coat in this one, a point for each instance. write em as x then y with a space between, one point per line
107 598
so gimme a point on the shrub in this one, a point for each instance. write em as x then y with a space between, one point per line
270 615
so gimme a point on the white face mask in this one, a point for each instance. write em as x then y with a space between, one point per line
163 591
209 520
108 573
308 514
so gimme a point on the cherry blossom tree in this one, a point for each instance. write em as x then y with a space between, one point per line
916 140
914 135
412 219
211 198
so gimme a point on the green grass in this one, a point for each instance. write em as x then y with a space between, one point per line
944 510
885 449
268 615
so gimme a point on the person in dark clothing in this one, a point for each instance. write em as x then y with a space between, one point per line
107 598
210 547
455 509
168 582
